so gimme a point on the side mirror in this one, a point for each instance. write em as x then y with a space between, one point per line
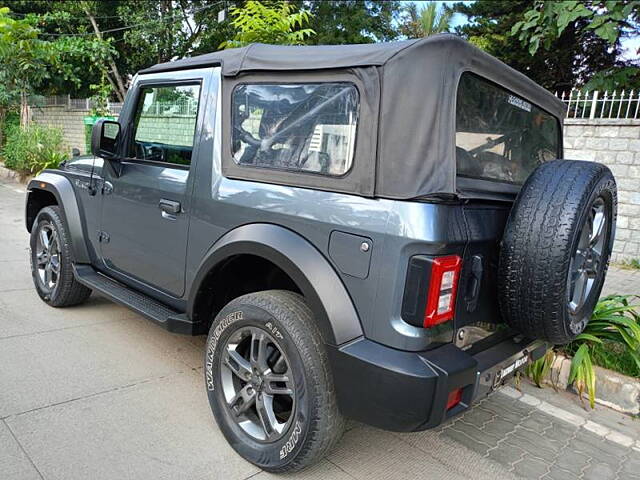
75 152
104 138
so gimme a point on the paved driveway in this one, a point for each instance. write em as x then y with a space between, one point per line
95 392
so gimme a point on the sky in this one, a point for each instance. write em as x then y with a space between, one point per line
630 45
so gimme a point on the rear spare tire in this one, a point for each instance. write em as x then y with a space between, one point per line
555 249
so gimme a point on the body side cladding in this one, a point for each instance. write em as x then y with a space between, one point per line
62 189
308 268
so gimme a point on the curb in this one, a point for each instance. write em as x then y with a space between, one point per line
12 175
613 390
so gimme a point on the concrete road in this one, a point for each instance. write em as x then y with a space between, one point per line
97 392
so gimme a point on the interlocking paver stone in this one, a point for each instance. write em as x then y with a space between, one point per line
464 439
480 435
536 422
506 454
572 461
530 468
533 442
600 471
558 474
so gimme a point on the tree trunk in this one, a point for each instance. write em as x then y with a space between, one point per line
120 89
25 113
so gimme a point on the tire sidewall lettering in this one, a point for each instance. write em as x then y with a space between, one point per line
212 343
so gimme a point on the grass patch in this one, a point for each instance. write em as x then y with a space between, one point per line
633 264
613 356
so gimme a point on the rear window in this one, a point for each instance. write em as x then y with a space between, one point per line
308 127
500 136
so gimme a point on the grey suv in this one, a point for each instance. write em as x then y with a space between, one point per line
376 232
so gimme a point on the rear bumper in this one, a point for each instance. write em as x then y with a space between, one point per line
408 391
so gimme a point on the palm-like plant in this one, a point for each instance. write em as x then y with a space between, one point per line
428 20
614 319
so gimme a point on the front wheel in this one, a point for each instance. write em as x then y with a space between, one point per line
51 264
268 381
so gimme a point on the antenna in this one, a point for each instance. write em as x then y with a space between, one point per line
92 188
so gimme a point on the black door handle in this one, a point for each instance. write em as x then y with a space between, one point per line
475 281
169 206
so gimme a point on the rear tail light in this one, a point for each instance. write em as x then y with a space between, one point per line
455 397
441 298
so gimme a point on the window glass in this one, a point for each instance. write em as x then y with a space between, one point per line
500 136
303 127
165 123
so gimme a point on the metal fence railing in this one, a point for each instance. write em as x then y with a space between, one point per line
71 103
597 104
182 107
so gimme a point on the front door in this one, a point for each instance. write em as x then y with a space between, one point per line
145 216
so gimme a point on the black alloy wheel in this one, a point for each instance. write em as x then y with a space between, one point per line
257 383
587 261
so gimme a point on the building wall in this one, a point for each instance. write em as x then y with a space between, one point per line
174 130
69 121
616 143
151 128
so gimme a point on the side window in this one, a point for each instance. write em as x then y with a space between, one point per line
165 123
500 136
307 127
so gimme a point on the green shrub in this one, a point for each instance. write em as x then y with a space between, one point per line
11 119
33 149
611 340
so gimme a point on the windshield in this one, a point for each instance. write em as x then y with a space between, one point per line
500 136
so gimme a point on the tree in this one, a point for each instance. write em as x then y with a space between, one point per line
546 22
170 29
113 39
575 58
277 24
428 20
112 74
25 60
65 24
352 21
145 32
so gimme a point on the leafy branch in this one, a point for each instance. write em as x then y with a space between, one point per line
546 21
279 25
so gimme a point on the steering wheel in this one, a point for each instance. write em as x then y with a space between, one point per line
140 151
246 137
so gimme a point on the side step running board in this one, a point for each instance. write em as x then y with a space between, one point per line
146 306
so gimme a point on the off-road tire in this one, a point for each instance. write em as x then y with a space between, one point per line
541 239
317 424
67 291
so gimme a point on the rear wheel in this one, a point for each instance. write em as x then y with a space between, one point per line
269 383
556 249
51 265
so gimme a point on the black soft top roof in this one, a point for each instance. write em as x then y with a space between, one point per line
259 56
410 87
